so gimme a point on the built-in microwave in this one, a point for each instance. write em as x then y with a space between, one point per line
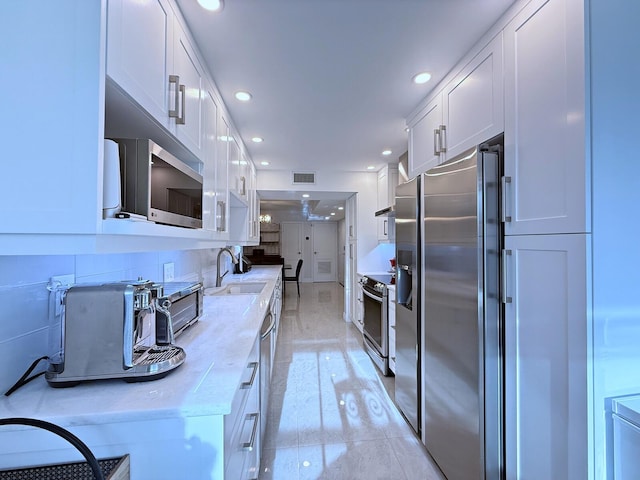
157 185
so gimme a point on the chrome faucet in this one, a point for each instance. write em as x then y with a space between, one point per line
233 259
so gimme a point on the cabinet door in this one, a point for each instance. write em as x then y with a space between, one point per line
423 150
188 128
546 341
545 120
139 52
210 114
222 175
383 202
474 102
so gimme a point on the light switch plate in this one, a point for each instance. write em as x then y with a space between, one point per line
168 273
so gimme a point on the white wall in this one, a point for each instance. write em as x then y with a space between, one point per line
24 323
615 103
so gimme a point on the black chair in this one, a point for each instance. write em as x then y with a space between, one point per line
295 278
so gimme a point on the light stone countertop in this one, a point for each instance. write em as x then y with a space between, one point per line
217 348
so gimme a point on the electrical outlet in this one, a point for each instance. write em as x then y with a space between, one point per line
168 273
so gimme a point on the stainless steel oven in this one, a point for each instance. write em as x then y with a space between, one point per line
375 300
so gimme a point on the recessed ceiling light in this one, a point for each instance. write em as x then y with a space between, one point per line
264 163
340 208
386 152
257 139
422 77
243 96
333 213
305 195
213 5
371 167
327 218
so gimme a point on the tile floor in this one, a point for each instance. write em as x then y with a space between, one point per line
331 415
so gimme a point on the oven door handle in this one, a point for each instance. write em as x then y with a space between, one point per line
373 297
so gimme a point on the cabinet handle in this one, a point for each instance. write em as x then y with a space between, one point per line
436 142
443 138
222 218
181 120
251 443
350 251
384 230
504 181
249 384
505 297
175 79
243 189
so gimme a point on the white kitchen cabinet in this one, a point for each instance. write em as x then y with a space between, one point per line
222 175
544 138
546 367
423 150
242 426
466 112
387 182
51 181
215 193
188 98
392 329
140 52
150 56
359 305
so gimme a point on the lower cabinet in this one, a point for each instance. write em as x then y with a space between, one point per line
359 313
392 329
242 426
546 368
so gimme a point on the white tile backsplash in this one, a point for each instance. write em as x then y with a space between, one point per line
24 299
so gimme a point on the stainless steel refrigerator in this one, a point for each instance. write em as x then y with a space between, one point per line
407 382
461 327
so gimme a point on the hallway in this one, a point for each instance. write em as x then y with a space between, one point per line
330 416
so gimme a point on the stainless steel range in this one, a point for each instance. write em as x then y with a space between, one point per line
376 325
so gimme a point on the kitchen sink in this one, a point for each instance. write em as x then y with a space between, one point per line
240 288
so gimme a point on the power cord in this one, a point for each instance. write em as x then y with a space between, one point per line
24 380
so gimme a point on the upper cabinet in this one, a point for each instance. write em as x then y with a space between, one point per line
466 112
150 57
546 185
387 182
135 73
140 52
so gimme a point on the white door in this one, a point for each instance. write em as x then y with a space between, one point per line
291 245
325 251
546 371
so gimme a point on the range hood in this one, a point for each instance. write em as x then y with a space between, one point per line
387 212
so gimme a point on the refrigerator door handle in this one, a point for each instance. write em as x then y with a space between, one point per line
505 297
504 181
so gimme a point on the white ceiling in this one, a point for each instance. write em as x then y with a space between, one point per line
331 79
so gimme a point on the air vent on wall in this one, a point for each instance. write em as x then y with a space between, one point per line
304 178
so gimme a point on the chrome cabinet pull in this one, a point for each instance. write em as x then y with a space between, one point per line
182 118
436 141
504 181
384 232
443 138
243 189
505 297
175 79
250 444
222 218
249 384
